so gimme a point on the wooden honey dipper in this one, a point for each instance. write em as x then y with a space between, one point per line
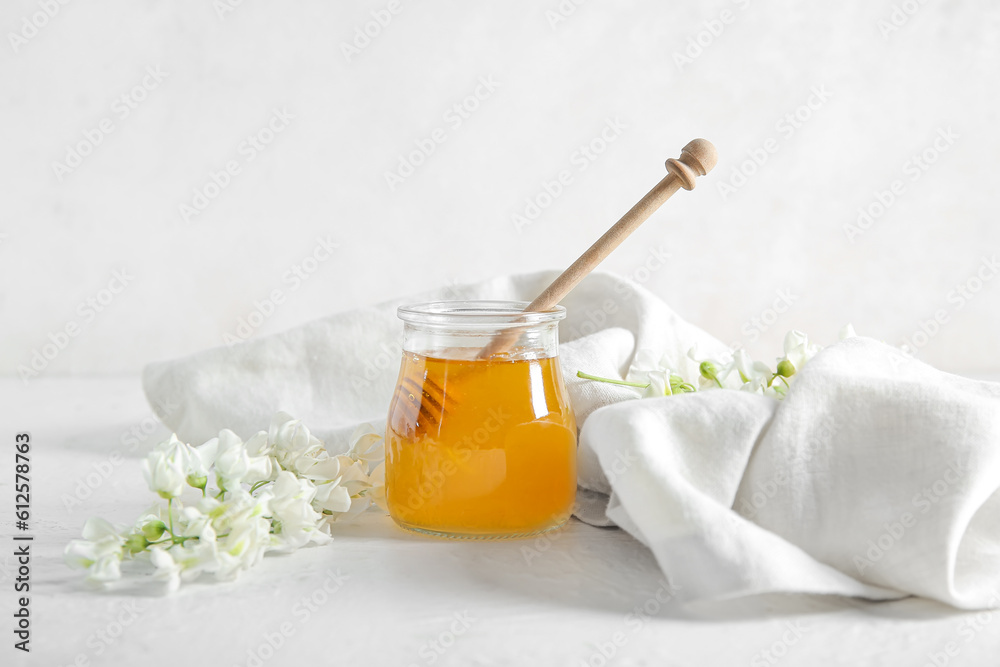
697 158
426 400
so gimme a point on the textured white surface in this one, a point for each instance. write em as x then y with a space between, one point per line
451 220
403 592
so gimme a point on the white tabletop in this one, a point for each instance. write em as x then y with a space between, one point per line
380 596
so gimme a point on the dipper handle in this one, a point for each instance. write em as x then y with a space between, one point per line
697 158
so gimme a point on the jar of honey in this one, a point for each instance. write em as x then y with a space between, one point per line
478 445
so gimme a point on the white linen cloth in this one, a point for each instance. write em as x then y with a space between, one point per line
877 476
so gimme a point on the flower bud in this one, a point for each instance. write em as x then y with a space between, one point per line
197 482
164 470
710 372
154 530
786 368
135 543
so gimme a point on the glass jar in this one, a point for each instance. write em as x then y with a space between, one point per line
477 447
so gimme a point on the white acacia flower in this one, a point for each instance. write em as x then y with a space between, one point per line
377 491
295 449
659 383
165 468
353 487
233 463
353 475
757 377
198 461
321 467
105 570
368 446
331 497
292 510
294 446
756 374
99 552
662 376
192 521
645 362
211 507
227 533
263 465
231 459
243 525
653 370
259 445
714 373
238 506
261 469
798 351
359 506
186 561
167 569
243 547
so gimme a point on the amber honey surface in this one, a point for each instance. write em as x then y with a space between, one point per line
480 447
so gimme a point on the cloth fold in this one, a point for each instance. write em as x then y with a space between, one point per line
877 476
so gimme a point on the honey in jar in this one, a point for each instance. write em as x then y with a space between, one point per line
480 447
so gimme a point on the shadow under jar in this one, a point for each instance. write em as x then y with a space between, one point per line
480 448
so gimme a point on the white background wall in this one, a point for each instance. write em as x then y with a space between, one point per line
64 235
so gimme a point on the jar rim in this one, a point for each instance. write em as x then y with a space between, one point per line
488 313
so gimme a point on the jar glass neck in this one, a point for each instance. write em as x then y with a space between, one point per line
461 329
533 342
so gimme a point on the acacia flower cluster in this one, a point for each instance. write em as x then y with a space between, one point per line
276 492
665 376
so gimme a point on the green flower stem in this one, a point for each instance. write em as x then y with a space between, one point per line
174 540
180 539
170 516
588 376
258 485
